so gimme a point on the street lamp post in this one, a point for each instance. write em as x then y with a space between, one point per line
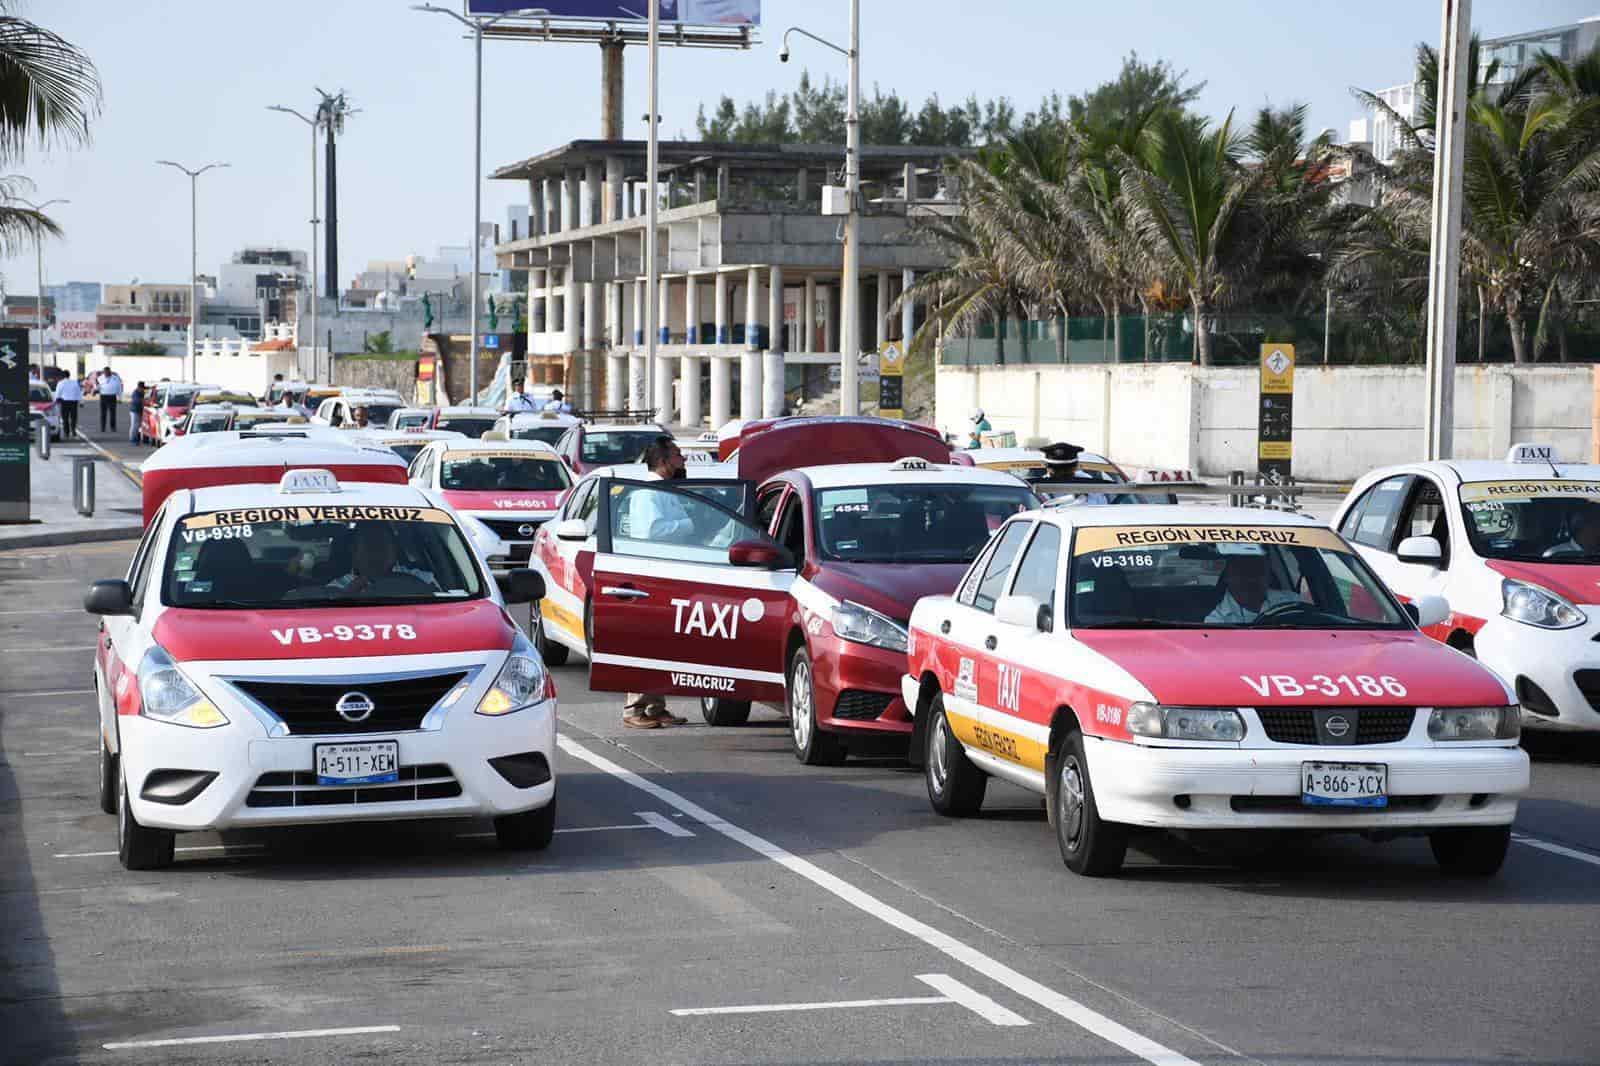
194 264
850 301
311 122
38 252
477 26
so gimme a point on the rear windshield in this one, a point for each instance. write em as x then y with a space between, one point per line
319 555
378 413
473 426
179 399
614 447
494 473
547 434
208 423
1545 520
40 394
409 450
411 419
909 523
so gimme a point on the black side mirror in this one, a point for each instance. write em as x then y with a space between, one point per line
111 597
522 586
1046 618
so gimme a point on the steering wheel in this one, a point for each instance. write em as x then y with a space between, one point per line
1286 607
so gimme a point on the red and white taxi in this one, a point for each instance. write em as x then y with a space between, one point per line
1205 668
511 486
1515 547
586 447
311 651
161 418
42 404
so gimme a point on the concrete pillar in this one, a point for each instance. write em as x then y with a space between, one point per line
719 303
835 307
638 313
775 338
772 375
662 401
616 362
636 396
691 310
722 182
752 310
628 200
909 176
721 390
664 315
537 220
908 312
613 208
611 90
808 318
802 183
699 185
749 385
593 174
592 333
880 325
551 200
569 199
569 313
689 391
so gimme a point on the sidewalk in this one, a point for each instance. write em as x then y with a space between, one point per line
118 504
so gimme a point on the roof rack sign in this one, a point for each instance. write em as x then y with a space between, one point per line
306 481
911 462
1533 453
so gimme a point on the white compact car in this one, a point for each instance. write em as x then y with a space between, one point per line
1515 547
310 651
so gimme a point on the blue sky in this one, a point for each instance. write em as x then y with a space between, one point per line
190 80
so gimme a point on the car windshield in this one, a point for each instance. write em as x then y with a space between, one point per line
547 434
613 447
1553 520
1234 577
318 555
909 523
469 425
410 419
179 399
517 472
378 413
40 394
408 451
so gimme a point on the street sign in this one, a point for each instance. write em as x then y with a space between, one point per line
1275 416
891 380
14 425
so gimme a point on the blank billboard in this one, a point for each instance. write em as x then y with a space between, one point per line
689 12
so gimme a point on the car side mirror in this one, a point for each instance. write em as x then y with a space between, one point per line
758 554
1018 611
571 529
111 597
1424 550
1429 611
522 586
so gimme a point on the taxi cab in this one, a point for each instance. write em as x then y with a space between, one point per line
586 447
1515 547
546 426
206 418
42 403
411 418
162 416
256 417
406 443
315 651
471 422
511 486
338 410
1201 668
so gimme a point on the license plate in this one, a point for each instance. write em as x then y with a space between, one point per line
372 763
1344 784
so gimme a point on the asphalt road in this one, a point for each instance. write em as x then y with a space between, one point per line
701 869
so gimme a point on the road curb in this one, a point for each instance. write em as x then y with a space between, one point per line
121 467
78 536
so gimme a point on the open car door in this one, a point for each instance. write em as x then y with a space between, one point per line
689 597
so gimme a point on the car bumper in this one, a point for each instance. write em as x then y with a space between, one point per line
858 687
254 772
1259 788
1551 660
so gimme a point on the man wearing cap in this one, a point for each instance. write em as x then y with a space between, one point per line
1061 468
980 426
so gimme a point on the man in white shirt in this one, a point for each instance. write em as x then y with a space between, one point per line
558 403
69 393
1246 594
656 516
110 397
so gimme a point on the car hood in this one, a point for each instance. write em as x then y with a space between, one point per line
888 588
200 635
1266 667
509 501
1578 582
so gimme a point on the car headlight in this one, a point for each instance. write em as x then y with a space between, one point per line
1475 723
1537 606
863 625
523 680
165 695
1185 723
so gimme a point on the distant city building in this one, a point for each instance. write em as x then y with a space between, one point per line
259 284
75 296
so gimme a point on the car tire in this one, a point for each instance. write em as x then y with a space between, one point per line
724 712
955 785
110 779
139 847
527 830
811 745
1479 851
1089 845
552 653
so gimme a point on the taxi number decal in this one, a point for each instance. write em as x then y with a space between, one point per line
705 681
1121 559
1354 685
217 533
1110 715
313 635
509 504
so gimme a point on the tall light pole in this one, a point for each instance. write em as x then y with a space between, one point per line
194 264
1444 262
477 26
312 122
652 165
850 297
38 252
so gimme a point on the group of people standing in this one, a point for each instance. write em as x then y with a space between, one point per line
70 394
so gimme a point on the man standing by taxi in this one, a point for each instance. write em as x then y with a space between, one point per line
654 515
135 411
558 403
110 397
519 403
69 393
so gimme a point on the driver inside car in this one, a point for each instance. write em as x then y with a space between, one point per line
1246 591
375 563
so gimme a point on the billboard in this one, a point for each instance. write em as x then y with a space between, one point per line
74 329
688 12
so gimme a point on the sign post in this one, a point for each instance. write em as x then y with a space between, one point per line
891 380
1275 419
14 426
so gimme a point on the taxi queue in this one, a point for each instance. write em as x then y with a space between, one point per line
1141 666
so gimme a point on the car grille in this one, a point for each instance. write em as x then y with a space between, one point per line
307 706
861 706
507 528
299 788
1374 725
1588 682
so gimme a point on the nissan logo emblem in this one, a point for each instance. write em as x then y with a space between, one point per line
355 706
525 530
1337 725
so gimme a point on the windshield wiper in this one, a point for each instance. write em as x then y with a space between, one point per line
1145 623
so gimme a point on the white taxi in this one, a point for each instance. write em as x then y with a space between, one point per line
1515 547
308 651
547 426
512 486
1201 668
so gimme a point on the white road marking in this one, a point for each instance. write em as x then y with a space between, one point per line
663 823
1048 998
652 820
58 754
298 1034
972 999
1557 849
52 649
57 692
779 1008
193 847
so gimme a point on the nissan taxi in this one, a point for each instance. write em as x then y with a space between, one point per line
311 651
511 486
206 418
546 426
164 410
1200 668
471 422
42 407
1515 547
586 447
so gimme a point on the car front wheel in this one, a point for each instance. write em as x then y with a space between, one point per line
139 847
724 712
811 745
1476 852
955 785
527 830
1089 845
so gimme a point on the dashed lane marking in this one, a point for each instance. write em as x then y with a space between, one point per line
784 1008
1557 849
5 694
192 847
296 1034
970 998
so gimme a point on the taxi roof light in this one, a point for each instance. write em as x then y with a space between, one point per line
911 462
1529 452
307 481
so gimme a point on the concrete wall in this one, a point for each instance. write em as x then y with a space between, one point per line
247 373
397 374
1347 419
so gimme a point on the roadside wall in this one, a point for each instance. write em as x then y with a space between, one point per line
397 374
1347 420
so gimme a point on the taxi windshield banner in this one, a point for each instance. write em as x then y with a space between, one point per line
1111 538
467 457
252 516
1542 488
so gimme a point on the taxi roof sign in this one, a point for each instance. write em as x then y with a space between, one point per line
307 480
1532 453
911 462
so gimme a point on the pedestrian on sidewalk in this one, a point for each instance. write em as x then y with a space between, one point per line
110 397
69 392
135 411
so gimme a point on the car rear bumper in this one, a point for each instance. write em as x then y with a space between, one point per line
1428 787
